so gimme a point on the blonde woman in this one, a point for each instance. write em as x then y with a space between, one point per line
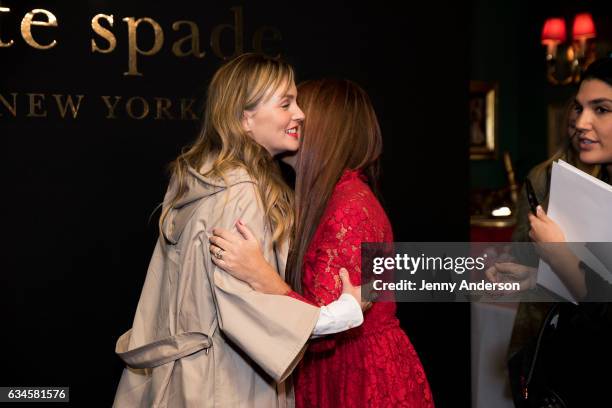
200 337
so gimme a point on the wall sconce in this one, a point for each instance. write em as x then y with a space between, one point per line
567 69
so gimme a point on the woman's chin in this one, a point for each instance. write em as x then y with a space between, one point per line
595 157
292 146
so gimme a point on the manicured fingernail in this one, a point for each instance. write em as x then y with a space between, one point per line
240 222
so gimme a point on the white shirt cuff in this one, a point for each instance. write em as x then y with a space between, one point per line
340 315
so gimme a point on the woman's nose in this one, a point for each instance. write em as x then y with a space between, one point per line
298 115
583 121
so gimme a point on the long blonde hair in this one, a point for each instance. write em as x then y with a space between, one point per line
240 85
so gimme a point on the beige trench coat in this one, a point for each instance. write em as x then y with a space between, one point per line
201 338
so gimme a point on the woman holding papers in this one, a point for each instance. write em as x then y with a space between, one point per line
540 175
593 110
593 107
530 315
574 354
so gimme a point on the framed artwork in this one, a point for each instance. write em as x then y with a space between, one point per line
483 120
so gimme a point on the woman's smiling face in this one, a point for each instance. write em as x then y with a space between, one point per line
593 107
276 122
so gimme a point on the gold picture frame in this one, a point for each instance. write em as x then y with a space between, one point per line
483 114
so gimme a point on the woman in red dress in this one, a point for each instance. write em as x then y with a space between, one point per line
373 365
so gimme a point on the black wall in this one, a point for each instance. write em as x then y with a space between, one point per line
78 193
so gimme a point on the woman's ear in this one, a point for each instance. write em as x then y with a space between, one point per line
247 120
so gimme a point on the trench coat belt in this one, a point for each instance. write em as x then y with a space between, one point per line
161 351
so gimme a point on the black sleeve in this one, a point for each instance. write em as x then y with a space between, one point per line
598 289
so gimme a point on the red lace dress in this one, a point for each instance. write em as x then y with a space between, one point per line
373 365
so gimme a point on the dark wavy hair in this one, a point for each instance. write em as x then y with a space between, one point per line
600 69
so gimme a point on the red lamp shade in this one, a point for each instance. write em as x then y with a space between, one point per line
553 30
583 26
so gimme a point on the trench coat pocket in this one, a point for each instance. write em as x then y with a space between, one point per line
161 351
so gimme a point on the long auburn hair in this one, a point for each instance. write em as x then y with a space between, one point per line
238 86
340 132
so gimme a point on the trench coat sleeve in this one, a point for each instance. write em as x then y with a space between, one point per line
271 329
297 296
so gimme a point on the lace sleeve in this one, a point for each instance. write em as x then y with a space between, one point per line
339 246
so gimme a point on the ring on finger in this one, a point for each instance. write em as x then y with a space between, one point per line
219 254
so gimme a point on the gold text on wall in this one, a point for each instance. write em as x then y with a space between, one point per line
184 34
109 107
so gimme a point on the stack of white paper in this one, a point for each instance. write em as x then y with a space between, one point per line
582 206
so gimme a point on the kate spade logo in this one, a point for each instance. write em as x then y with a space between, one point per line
185 36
